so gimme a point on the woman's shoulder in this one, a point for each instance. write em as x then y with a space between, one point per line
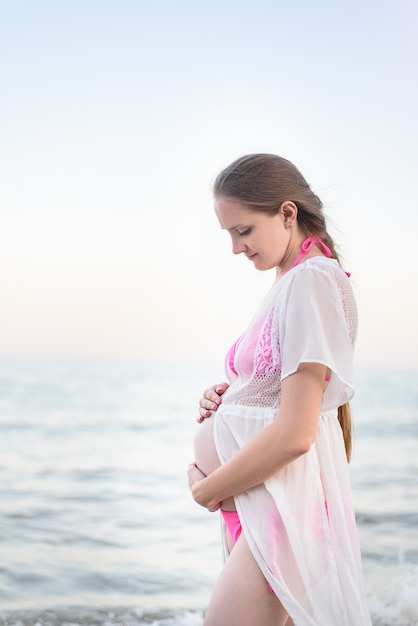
322 265
316 269
315 278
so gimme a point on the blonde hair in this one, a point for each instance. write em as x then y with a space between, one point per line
262 182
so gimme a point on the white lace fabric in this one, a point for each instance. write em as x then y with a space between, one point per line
300 524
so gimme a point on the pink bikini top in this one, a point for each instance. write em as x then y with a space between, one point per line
230 357
307 245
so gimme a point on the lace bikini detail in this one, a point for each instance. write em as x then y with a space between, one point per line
264 355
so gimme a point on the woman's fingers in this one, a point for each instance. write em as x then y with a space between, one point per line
203 414
212 396
206 407
194 474
211 400
221 388
209 405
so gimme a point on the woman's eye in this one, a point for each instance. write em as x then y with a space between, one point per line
242 233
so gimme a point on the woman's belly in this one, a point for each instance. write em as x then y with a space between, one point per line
206 456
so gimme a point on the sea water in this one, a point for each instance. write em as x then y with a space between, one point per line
96 522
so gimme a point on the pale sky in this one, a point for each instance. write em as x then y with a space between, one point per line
115 116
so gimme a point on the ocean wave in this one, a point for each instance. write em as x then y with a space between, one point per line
82 616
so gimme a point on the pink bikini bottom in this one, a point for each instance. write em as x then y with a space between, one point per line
234 527
232 523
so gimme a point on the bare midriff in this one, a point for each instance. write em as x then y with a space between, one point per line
206 457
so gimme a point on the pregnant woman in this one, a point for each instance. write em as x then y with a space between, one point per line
273 445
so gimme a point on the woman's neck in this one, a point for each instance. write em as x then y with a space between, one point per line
308 247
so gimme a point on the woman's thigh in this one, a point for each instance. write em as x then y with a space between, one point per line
242 596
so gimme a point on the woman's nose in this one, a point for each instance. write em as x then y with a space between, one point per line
238 246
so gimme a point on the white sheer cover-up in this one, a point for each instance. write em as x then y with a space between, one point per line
300 524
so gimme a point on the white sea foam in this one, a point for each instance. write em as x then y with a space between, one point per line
394 601
185 619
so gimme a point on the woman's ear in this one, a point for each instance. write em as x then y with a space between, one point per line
289 211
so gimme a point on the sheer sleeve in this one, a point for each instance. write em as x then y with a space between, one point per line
316 324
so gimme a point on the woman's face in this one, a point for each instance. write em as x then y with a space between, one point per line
263 238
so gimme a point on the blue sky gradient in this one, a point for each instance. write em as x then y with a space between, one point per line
116 116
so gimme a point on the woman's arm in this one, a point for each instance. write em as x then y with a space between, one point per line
288 437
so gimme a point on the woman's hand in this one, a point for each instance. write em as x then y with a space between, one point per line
196 478
211 400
